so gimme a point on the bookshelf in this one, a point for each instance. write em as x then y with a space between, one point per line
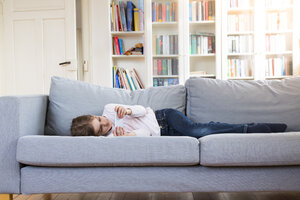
165 58
202 36
254 28
128 36
238 35
279 39
271 30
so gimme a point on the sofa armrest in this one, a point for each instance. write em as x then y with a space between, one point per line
19 116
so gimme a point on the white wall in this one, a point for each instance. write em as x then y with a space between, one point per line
1 51
99 47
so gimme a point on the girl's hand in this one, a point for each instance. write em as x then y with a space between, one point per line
119 131
130 134
121 111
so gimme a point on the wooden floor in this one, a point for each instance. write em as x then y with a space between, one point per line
162 196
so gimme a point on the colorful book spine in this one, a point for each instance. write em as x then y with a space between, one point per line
113 76
165 81
164 12
123 17
280 66
112 14
138 78
202 10
160 12
129 15
165 67
125 79
117 47
174 11
141 20
166 44
239 68
128 80
119 18
168 11
117 81
121 46
116 18
153 11
240 44
134 80
136 19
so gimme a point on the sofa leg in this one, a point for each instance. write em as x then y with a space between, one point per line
6 196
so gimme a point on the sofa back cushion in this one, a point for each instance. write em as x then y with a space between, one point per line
241 101
69 99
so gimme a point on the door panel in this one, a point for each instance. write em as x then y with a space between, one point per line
54 48
26 5
37 41
27 68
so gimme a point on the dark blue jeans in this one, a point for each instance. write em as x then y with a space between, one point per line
175 123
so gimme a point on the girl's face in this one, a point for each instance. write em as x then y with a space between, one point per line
101 125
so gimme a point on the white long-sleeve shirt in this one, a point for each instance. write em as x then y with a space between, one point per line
142 121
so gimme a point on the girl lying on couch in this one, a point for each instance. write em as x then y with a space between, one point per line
139 121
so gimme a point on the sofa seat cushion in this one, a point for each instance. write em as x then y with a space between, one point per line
107 151
272 149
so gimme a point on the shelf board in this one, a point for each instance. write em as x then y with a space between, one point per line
165 56
202 22
278 32
129 56
279 53
240 54
203 75
202 55
241 78
278 77
270 9
238 10
165 76
241 33
164 23
127 32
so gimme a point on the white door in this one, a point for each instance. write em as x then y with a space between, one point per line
40 40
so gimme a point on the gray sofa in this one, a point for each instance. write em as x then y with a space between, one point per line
38 155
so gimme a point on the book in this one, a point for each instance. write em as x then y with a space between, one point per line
168 5
129 15
117 81
123 16
165 66
128 80
134 80
121 46
239 68
154 11
141 20
138 78
160 12
164 11
165 44
125 79
112 16
119 18
165 81
117 47
116 18
113 75
136 19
